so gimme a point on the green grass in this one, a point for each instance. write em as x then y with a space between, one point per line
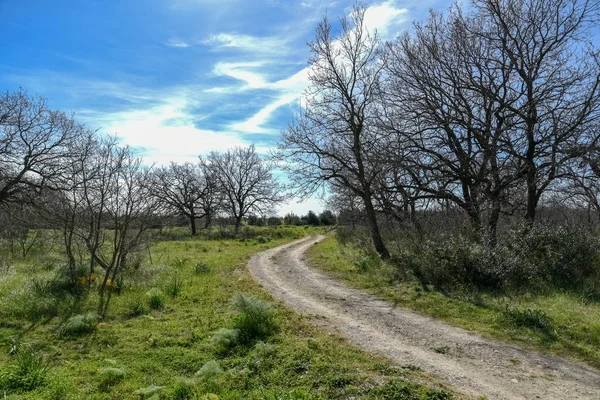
560 323
138 352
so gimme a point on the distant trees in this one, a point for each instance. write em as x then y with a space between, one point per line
327 218
246 182
187 189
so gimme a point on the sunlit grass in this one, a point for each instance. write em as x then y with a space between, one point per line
165 347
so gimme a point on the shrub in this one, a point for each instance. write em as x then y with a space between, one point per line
263 349
528 318
224 339
263 239
136 307
78 325
27 371
201 268
209 372
156 299
174 286
148 392
556 256
367 263
39 299
534 260
110 376
256 319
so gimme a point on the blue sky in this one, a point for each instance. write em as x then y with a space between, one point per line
177 78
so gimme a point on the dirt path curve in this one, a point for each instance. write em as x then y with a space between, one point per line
470 364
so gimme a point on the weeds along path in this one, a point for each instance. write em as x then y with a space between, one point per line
470 364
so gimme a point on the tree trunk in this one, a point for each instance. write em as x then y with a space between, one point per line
532 199
375 234
193 224
238 224
493 225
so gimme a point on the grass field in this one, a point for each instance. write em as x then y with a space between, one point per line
560 323
168 336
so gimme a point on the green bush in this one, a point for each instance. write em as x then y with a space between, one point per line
156 299
528 318
263 239
534 260
26 372
184 389
136 307
367 263
201 268
39 299
78 325
179 263
224 339
256 319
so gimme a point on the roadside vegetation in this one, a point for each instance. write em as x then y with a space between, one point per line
186 322
450 280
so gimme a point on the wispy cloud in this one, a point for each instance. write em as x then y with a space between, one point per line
175 42
243 71
384 17
248 43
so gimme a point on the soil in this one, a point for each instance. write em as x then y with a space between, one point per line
464 361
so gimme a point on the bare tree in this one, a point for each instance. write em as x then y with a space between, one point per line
246 181
554 91
187 190
440 105
334 140
584 174
34 144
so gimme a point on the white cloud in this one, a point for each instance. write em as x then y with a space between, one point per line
175 42
164 132
247 43
385 18
254 123
243 71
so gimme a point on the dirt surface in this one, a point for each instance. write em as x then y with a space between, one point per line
466 362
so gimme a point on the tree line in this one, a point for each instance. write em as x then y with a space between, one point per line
490 109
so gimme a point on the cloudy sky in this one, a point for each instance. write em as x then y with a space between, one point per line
177 78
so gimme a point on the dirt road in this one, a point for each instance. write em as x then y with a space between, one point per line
472 365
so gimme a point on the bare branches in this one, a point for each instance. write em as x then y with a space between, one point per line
34 144
334 141
245 180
